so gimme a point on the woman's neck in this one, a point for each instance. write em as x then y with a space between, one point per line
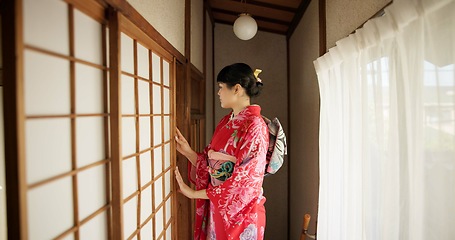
240 107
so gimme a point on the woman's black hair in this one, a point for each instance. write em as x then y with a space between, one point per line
240 73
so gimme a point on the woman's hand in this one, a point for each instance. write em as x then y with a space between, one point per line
186 190
184 148
182 144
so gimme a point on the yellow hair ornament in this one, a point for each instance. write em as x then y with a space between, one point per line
256 72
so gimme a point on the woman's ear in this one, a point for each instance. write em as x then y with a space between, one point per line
237 88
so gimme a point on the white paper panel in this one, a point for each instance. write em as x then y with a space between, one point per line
128 136
156 99
50 209
89 140
127 95
96 228
47 85
158 192
168 210
89 89
167 183
169 232
167 156
159 224
156 68
68 237
146 168
47 148
91 190
129 177
144 133
157 162
166 73
142 61
167 128
88 38
127 53
147 231
167 101
46 25
146 203
130 217
144 97
157 138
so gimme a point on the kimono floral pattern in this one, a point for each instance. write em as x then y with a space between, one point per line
237 210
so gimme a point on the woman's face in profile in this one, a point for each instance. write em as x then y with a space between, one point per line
227 96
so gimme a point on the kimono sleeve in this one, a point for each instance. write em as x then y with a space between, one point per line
237 196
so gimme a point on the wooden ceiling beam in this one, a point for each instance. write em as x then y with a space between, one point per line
265 19
262 25
269 5
297 17
252 9
287 3
264 29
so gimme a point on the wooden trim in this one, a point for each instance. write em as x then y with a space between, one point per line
129 28
288 70
183 210
115 123
252 3
72 173
138 130
137 19
215 85
297 17
69 58
71 115
73 120
236 14
208 9
173 155
259 28
197 72
107 153
1 76
322 28
14 126
204 42
91 8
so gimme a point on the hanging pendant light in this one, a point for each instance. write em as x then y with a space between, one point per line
245 27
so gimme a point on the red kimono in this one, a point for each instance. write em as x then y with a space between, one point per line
234 184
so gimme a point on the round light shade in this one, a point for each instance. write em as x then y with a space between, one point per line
245 27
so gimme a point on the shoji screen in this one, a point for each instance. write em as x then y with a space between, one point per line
146 98
66 121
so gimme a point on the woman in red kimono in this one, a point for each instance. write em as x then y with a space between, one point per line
228 174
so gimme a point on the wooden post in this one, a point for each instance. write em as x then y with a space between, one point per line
116 121
13 105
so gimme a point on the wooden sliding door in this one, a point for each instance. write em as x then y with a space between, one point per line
146 80
65 115
89 118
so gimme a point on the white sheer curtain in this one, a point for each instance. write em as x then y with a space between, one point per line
387 130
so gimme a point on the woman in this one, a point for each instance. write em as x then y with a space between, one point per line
228 175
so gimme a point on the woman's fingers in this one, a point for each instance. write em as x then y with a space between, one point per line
183 188
178 132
